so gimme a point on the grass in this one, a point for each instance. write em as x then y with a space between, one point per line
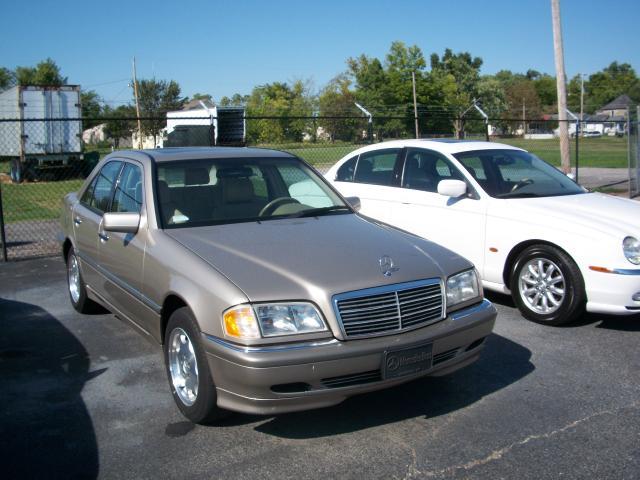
41 200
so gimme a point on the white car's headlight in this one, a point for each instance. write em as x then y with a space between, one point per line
631 249
272 320
462 287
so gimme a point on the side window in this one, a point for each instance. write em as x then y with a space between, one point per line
302 188
104 186
423 170
474 167
88 193
128 196
376 167
345 172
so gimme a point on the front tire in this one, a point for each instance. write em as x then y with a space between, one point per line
547 286
188 371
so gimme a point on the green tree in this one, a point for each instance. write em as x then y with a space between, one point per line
45 73
337 100
236 100
91 108
120 122
611 82
7 78
157 97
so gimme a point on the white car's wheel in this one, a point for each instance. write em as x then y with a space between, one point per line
547 286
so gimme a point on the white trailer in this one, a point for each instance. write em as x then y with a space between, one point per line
41 129
226 127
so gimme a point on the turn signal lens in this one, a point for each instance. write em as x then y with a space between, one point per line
240 322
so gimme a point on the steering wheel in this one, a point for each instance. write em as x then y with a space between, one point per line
271 207
522 183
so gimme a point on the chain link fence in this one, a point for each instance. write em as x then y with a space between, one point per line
41 160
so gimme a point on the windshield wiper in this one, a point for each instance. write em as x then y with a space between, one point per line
316 212
517 194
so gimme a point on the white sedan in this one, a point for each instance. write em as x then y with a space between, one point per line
531 231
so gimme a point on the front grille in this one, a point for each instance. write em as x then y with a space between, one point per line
352 379
390 309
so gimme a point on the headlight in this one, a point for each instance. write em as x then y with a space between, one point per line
272 320
462 287
631 249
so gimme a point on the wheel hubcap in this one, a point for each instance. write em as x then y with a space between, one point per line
74 278
183 366
542 285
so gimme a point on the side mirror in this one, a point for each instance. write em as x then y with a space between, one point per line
354 202
121 222
452 188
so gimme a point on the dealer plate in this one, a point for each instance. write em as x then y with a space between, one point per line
408 361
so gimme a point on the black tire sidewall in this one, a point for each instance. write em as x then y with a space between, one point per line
574 300
205 407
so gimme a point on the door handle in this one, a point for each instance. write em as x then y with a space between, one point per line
103 236
77 220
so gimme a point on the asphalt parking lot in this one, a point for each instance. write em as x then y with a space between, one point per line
86 396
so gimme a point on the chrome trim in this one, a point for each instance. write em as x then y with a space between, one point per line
625 271
393 288
125 286
457 315
268 349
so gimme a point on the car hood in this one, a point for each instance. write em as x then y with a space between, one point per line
605 214
315 258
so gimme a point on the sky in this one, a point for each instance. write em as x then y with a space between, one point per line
222 47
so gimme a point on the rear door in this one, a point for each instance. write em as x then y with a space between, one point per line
373 177
87 215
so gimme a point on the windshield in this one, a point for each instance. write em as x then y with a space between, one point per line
516 174
216 191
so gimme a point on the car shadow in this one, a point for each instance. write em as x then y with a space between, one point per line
502 363
45 428
623 323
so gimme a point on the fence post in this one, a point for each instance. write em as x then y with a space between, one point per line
629 151
578 129
3 238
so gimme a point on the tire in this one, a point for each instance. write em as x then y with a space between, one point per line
17 172
76 287
185 359
555 298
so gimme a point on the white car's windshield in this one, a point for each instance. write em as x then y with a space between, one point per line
194 193
516 174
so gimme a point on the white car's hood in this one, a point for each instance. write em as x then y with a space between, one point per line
596 212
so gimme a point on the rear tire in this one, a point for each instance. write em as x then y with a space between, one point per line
547 286
76 287
188 371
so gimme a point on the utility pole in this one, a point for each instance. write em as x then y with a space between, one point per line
135 93
561 84
524 116
415 103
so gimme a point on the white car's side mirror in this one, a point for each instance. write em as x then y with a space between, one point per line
452 188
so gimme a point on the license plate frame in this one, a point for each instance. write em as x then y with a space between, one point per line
407 361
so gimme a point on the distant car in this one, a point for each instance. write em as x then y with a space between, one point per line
268 291
530 230
591 133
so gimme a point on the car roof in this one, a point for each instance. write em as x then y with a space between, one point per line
194 153
445 145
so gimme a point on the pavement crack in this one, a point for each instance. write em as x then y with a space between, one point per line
413 471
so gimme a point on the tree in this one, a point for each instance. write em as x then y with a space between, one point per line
201 96
157 97
337 100
120 122
91 108
7 78
46 73
236 100
611 82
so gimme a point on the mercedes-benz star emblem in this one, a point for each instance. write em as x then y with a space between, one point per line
387 266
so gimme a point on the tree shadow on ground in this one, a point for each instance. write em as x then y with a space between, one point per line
502 363
45 429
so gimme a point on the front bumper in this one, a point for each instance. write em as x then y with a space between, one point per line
612 293
292 377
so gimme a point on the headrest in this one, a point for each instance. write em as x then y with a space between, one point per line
237 190
196 176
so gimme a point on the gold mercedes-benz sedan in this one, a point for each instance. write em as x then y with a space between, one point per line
267 290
